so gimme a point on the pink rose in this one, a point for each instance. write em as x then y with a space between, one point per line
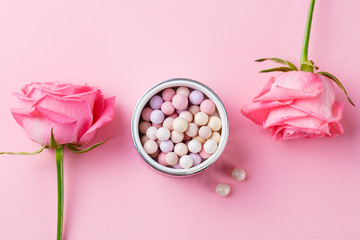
74 112
297 104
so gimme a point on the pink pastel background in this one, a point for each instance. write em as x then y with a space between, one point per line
295 190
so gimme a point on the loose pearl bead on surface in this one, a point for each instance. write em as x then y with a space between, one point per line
238 174
222 189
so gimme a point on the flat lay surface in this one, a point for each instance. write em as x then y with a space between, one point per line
296 189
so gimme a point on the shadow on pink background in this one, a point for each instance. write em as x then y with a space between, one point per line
295 190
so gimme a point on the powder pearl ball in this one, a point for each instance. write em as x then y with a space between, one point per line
194 146
201 118
222 189
150 146
200 139
156 125
143 139
157 116
180 101
181 149
186 162
162 159
171 158
155 155
216 137
145 114
207 106
168 123
180 125
167 108
183 90
238 174
186 137
166 146
205 132
204 154
151 133
163 134
176 137
194 109
168 94
143 126
214 123
192 130
174 115
196 97
178 111
210 146
196 158
156 102
177 166
186 115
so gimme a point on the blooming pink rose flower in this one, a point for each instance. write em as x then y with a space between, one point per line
297 104
74 112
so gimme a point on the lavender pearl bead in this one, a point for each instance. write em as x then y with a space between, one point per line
196 158
157 116
196 97
166 146
156 101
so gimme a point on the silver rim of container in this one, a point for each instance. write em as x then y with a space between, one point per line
177 82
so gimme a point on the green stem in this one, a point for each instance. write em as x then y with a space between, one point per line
304 51
60 184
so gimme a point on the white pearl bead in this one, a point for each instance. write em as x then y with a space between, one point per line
181 149
222 189
201 118
186 162
205 132
176 137
151 133
168 123
163 134
214 123
192 130
180 125
210 146
238 174
150 146
194 146
187 116
171 158
216 137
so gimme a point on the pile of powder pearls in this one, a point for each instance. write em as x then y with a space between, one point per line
180 127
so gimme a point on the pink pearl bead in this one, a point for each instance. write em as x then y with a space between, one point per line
192 130
145 114
156 125
174 115
204 154
180 101
208 107
161 159
167 108
194 109
168 94
186 137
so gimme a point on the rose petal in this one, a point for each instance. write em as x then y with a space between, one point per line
23 100
89 97
38 122
106 117
279 115
73 108
292 85
259 111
